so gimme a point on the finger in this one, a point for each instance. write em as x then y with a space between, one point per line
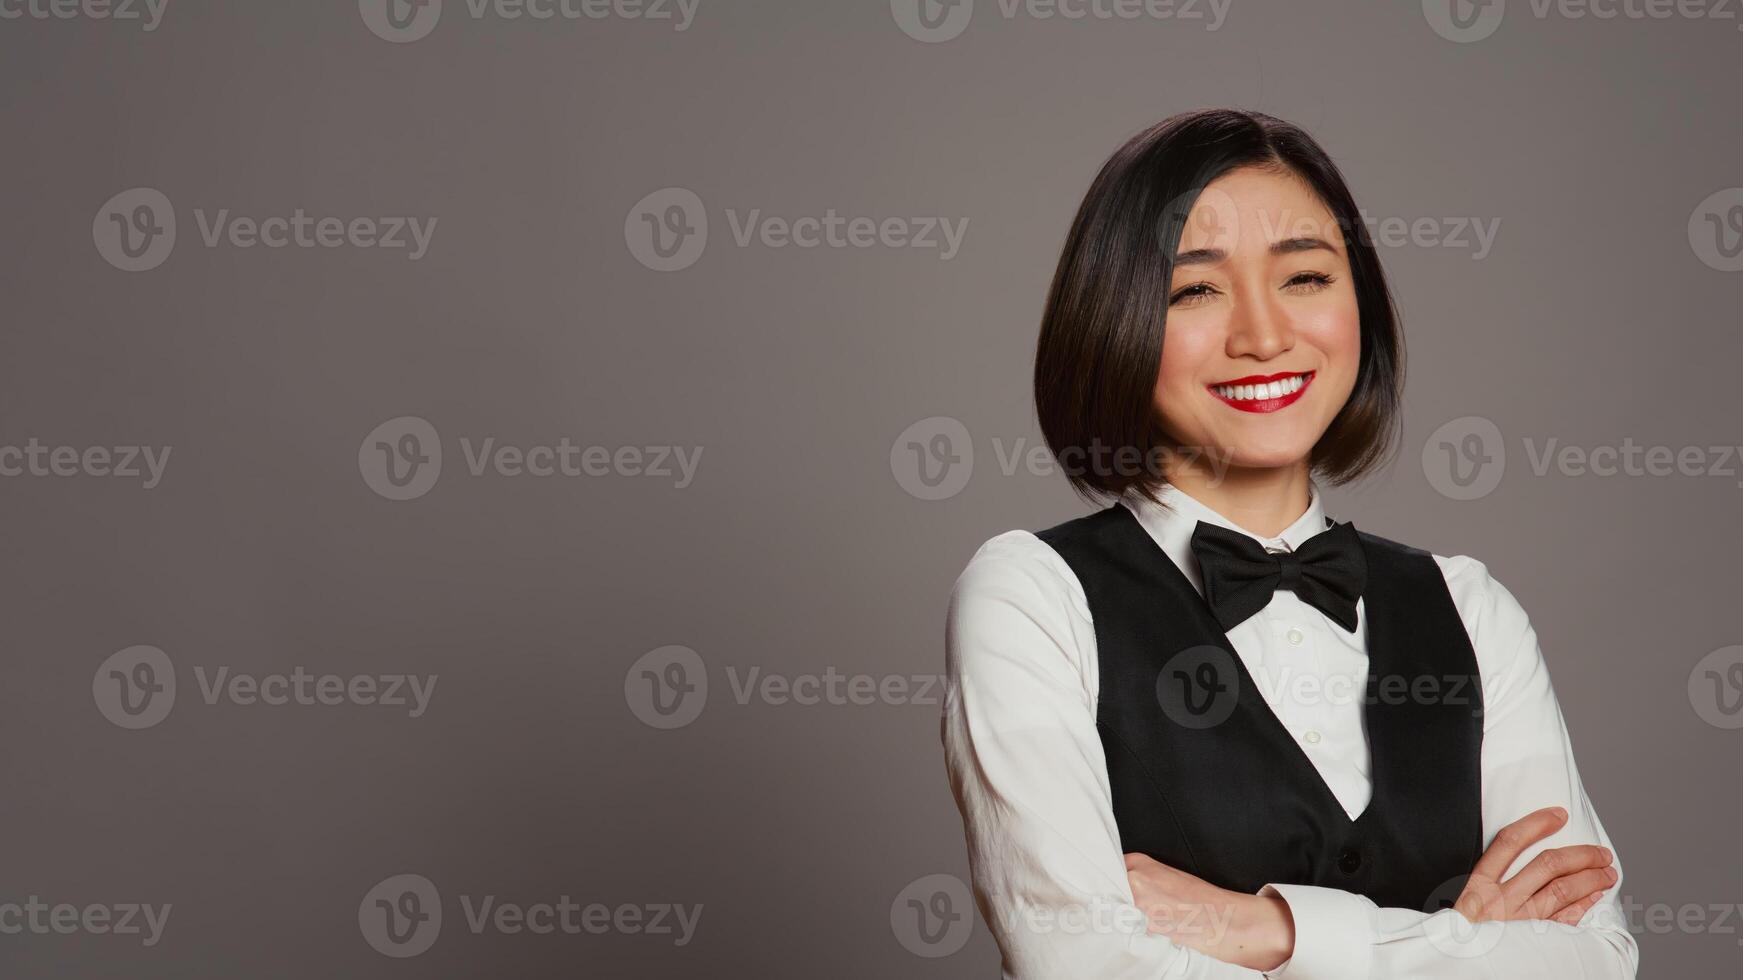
1572 915
1566 891
1481 900
1135 860
1142 898
1513 839
1557 862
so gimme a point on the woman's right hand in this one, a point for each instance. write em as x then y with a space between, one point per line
1559 884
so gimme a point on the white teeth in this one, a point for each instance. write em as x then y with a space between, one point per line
1276 389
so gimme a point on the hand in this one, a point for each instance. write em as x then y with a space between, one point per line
1253 931
1560 884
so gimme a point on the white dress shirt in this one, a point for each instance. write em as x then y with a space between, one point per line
1026 766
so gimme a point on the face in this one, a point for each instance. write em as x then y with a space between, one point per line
1263 335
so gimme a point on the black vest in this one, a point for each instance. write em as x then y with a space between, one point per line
1206 779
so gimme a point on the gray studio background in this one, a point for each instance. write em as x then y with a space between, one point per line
1598 151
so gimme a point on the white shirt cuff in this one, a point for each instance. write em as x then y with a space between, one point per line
1334 933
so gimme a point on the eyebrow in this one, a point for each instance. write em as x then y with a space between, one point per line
1287 246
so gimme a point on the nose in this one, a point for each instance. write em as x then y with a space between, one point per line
1258 328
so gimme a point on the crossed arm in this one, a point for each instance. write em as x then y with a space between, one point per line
1027 770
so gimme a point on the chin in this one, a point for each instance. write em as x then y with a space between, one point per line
1268 457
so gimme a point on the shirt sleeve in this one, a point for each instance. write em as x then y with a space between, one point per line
1027 770
1527 764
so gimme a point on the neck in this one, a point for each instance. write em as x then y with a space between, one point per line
1264 500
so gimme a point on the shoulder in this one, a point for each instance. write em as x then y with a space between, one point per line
1508 656
1019 567
1483 602
1018 618
1487 606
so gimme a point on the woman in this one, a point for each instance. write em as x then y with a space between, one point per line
1209 731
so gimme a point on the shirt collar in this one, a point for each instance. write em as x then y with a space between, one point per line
1171 527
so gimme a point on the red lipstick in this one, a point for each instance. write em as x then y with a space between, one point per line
1262 404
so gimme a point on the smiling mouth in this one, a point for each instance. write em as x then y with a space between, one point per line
1262 393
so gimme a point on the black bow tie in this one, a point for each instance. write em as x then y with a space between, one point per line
1328 572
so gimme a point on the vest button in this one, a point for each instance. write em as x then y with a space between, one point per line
1350 861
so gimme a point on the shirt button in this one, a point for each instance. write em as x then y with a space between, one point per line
1311 736
1295 636
1350 861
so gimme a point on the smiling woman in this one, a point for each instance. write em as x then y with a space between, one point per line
1121 734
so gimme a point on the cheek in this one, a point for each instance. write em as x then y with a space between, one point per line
1337 332
1184 350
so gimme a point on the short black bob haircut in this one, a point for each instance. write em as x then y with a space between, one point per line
1101 335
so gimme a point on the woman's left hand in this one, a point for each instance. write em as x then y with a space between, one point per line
1247 930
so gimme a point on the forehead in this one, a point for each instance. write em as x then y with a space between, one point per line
1250 208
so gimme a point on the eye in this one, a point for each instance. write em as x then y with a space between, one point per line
1309 282
1192 295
